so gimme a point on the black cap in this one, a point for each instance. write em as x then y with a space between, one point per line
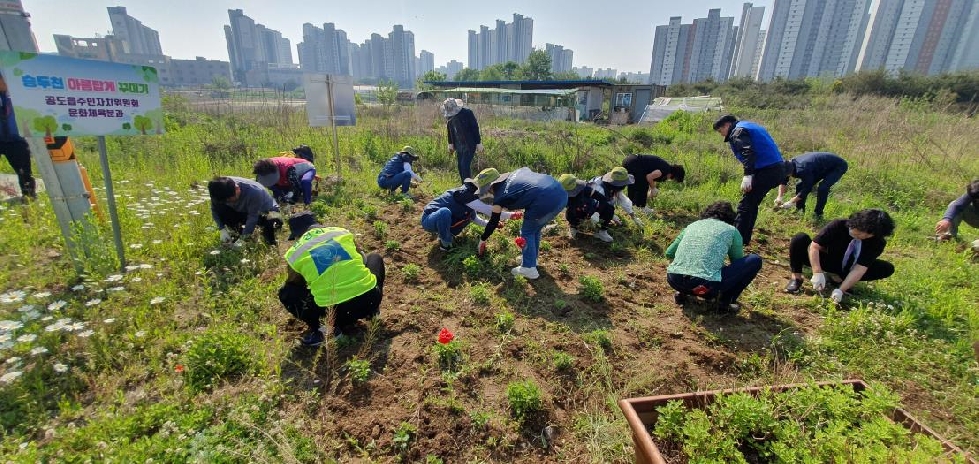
727 118
300 223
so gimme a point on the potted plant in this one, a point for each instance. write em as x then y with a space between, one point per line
817 422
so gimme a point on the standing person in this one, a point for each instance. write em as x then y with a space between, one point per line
848 248
811 168
397 172
463 131
698 259
14 146
648 170
328 270
540 196
965 208
763 167
239 205
449 213
287 178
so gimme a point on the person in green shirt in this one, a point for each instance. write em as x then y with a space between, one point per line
698 260
329 275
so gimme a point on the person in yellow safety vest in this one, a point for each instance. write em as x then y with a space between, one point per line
328 273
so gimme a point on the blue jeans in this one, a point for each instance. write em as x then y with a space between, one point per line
549 204
402 179
735 277
439 221
465 160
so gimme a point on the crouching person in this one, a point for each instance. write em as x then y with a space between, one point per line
848 248
449 213
240 205
698 259
583 202
327 270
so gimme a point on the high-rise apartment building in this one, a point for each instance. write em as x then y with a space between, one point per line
814 38
426 62
747 41
252 48
670 52
924 37
967 51
403 55
693 52
506 42
140 39
584 72
561 58
16 24
325 50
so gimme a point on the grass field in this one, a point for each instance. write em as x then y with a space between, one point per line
189 357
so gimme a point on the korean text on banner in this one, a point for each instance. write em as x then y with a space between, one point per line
55 95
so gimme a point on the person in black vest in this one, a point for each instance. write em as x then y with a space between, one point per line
13 146
463 131
848 248
811 168
648 170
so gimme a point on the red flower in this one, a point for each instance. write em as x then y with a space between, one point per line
179 368
445 336
520 241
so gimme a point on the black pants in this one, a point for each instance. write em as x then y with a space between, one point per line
764 181
638 190
822 192
19 155
580 209
298 300
235 221
799 257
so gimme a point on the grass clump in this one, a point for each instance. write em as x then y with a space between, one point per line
591 289
215 355
524 398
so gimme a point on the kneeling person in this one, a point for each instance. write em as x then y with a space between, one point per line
239 205
327 270
848 248
698 259
450 213
397 172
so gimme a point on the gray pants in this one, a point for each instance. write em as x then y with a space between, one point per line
969 215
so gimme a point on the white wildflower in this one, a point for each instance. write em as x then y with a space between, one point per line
109 320
114 278
42 294
26 308
10 376
117 289
215 252
39 350
245 260
137 279
157 242
13 360
26 338
93 302
78 287
12 296
30 316
57 305
131 267
85 334
10 326
145 266
60 368
140 334
157 300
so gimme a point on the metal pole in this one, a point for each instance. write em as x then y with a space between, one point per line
111 199
333 122
58 202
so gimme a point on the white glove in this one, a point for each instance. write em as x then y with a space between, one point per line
239 243
452 148
616 220
975 246
653 193
818 281
226 235
746 184
479 148
417 178
787 205
837 296
778 201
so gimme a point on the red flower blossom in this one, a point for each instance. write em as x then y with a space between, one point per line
445 336
521 242
179 368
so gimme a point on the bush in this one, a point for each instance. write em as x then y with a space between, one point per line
410 272
591 289
360 370
504 321
216 355
563 362
480 293
525 399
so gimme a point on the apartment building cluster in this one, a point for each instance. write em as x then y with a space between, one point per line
819 38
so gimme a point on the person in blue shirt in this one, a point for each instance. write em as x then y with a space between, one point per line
397 172
540 196
450 213
811 168
13 146
965 208
762 162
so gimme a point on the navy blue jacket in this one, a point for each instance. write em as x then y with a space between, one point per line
395 165
8 122
456 200
463 131
753 146
813 167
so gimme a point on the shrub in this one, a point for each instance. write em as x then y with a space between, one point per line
360 370
480 293
471 266
380 229
215 355
563 361
524 398
504 321
392 245
411 271
591 289
600 337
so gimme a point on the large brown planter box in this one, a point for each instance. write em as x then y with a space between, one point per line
641 415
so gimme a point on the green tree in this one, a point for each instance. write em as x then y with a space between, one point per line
511 70
431 76
142 124
567 76
467 75
538 66
491 73
387 92
46 124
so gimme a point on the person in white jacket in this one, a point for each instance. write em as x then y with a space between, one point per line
609 191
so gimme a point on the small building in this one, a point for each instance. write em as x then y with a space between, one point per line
586 99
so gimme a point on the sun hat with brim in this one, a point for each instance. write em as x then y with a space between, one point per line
300 223
451 107
410 151
268 180
619 177
486 178
571 184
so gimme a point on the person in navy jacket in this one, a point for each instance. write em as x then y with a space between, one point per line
397 172
811 168
762 162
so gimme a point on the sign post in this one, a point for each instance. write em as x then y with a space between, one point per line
58 96
330 101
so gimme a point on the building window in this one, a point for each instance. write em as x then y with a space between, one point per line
623 99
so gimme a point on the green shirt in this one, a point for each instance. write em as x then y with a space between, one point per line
700 249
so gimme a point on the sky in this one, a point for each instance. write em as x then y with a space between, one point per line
601 35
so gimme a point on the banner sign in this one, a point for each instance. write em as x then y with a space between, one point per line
55 95
319 88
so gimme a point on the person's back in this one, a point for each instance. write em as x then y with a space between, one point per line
328 260
704 246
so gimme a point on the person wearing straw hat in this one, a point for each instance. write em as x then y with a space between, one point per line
463 132
540 196
326 269
612 187
583 202
397 172
449 213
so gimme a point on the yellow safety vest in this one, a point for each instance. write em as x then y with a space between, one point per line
328 260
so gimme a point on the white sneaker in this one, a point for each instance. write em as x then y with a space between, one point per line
604 236
572 232
528 272
647 210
